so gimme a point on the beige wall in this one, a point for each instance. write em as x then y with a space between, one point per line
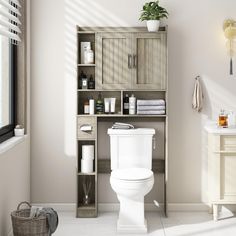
14 182
15 166
196 47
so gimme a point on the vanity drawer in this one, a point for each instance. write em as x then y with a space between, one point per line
228 143
86 121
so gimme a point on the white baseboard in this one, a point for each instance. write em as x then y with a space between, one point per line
58 206
198 207
188 207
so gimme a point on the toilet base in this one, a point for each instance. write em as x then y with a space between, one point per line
132 229
131 215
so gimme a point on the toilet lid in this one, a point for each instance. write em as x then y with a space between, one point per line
132 174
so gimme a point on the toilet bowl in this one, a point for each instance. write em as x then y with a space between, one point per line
131 185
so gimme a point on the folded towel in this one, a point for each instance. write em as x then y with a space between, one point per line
150 108
155 102
161 112
197 102
118 125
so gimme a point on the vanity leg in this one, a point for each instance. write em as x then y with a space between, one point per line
215 212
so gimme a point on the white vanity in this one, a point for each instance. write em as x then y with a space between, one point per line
221 167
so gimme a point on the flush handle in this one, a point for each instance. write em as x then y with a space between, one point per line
154 143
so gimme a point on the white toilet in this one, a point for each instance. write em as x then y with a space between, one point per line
131 176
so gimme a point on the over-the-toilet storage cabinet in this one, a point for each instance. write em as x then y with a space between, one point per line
127 61
221 168
135 60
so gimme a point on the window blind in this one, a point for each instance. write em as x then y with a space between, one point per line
10 19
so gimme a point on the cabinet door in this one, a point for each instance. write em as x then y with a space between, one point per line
150 60
222 165
228 177
113 60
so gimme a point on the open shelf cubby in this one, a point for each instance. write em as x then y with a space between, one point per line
86 206
85 95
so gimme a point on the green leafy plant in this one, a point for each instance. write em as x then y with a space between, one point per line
153 11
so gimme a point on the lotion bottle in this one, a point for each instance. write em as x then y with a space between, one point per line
132 105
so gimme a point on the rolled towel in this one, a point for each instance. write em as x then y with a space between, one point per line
161 112
150 108
155 102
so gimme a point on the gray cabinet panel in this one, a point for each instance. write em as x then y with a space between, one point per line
150 61
112 50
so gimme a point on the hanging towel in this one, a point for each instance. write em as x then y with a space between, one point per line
197 102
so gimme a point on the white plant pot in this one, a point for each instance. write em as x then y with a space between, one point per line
153 25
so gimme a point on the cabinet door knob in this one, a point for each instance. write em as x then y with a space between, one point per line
129 61
134 61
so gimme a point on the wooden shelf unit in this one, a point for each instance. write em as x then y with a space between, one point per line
140 85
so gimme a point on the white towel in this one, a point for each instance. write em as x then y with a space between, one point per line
150 108
118 125
197 102
161 112
155 102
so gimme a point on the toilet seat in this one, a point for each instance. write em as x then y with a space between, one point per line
132 174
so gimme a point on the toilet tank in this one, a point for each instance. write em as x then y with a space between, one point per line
131 148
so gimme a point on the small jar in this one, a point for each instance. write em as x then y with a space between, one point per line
88 56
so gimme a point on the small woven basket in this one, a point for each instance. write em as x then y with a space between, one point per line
23 225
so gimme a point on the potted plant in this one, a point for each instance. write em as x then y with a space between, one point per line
152 12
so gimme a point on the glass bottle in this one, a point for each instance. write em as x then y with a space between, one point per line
84 82
86 106
126 104
91 83
80 79
88 56
99 104
223 119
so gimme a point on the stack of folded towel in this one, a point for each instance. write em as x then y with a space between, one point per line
151 107
118 125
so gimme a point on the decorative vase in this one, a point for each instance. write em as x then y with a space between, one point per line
153 25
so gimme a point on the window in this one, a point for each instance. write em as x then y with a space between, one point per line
9 38
7 87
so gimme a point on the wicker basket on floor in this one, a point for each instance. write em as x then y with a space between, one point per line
23 225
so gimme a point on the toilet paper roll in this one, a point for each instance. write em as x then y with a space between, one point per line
86 166
88 152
